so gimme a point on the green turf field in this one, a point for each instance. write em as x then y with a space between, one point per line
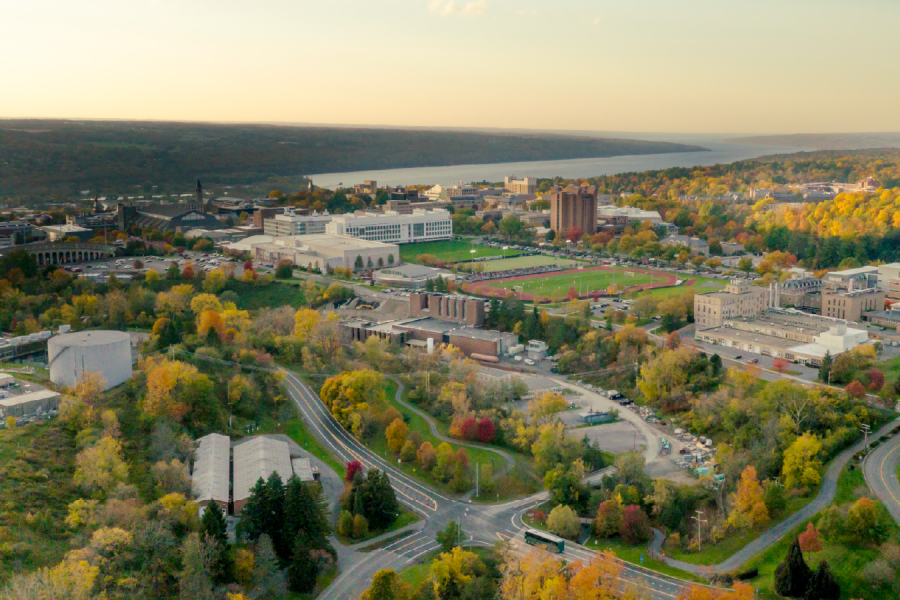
448 251
521 262
714 285
586 281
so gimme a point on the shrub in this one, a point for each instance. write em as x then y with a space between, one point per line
345 523
353 467
564 522
360 526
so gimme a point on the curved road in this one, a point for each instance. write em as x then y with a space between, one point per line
485 525
880 471
432 426
777 531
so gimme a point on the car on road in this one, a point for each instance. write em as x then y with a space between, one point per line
528 361
738 357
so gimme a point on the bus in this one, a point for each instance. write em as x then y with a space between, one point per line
549 542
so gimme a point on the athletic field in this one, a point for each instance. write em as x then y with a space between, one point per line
521 262
585 281
448 251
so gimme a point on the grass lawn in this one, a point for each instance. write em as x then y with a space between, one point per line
36 469
845 559
449 251
252 297
663 293
378 445
732 542
520 262
891 370
587 281
407 517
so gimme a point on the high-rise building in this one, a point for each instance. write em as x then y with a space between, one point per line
573 207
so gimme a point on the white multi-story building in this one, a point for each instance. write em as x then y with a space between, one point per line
445 192
290 223
394 228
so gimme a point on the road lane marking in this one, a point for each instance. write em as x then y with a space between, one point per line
881 473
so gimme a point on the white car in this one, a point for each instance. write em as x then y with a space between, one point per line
528 361
518 359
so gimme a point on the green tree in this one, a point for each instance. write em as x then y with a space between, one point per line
386 585
745 264
450 536
825 367
212 524
306 513
194 581
563 521
792 575
267 575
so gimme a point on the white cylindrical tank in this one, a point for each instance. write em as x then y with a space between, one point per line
105 352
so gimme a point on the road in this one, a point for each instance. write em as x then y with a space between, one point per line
880 471
484 525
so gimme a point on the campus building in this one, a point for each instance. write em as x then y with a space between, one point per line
738 299
789 334
528 185
292 223
394 228
696 246
325 251
573 207
211 477
255 459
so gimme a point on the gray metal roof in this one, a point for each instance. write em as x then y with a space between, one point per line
302 469
259 457
212 466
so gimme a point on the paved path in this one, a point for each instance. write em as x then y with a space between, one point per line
880 471
777 531
432 425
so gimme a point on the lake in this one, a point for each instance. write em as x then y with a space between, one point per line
719 153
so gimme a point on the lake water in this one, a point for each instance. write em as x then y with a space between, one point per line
719 153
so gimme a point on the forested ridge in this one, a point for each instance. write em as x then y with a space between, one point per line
64 157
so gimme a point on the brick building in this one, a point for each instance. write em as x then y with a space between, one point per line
573 207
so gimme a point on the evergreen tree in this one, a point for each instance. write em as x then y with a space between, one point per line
214 535
305 513
429 285
273 518
439 284
792 576
823 585
825 368
268 577
252 525
303 570
449 537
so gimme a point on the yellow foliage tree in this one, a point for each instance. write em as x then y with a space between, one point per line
749 507
100 467
210 320
204 302
396 434
452 569
801 463
304 322
544 408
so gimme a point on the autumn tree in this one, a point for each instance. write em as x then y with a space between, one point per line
100 467
396 434
749 507
608 519
544 408
450 571
801 464
563 521
386 585
635 527
779 364
350 393
810 540
856 390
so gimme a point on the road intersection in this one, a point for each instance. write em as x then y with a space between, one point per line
483 524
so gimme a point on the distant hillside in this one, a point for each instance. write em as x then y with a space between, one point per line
826 141
59 158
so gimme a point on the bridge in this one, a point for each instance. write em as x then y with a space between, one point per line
59 253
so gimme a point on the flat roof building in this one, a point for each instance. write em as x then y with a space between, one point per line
528 185
26 405
394 228
573 207
210 479
61 232
738 299
291 223
328 251
258 458
410 276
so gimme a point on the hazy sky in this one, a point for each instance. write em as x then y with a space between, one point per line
767 66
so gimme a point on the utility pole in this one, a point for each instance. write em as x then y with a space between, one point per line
699 520
476 480
865 431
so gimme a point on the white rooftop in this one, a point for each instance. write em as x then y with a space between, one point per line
212 467
258 458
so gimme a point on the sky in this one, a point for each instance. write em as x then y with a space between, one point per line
679 66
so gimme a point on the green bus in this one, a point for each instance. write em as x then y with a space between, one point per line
549 542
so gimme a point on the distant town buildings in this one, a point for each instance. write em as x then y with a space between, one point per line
528 185
694 245
738 299
573 207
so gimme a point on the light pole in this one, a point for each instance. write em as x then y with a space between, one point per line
699 520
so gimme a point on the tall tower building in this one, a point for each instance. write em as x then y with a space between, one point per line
573 207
